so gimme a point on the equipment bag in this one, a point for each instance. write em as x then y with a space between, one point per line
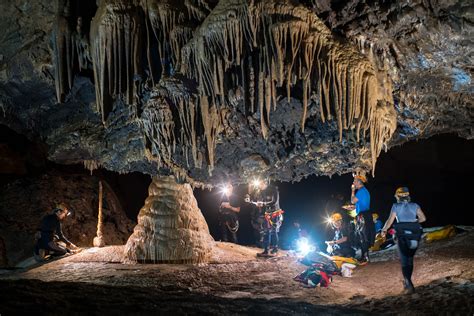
445 232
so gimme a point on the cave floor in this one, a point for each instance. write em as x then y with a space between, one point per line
236 282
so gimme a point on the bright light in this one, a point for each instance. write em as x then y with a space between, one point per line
225 189
256 183
304 247
329 220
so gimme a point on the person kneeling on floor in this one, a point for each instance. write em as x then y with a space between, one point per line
50 230
340 245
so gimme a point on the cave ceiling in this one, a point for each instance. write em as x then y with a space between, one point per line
228 90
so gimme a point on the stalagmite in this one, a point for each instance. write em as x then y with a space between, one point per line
116 46
99 239
171 228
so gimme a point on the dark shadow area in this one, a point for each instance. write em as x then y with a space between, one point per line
106 300
21 158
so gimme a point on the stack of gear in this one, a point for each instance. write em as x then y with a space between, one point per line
339 261
346 265
320 270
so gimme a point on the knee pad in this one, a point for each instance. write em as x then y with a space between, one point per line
413 244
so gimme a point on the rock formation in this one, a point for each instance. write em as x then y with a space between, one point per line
200 89
171 228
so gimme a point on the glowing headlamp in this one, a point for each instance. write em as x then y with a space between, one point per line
329 220
226 189
304 247
256 183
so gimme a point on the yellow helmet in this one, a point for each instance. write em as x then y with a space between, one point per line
361 178
375 216
336 217
402 192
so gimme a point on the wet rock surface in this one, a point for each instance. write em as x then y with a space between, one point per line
236 282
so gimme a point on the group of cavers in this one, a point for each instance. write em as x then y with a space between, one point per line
266 215
267 219
353 238
366 232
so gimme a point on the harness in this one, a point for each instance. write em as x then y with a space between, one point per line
274 218
233 229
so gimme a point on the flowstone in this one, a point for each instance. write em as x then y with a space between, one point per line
171 228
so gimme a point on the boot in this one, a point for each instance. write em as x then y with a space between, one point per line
408 287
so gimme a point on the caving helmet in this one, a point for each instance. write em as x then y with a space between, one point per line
402 193
361 178
61 207
336 217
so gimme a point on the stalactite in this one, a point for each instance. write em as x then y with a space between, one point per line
211 123
116 47
63 50
177 99
263 123
164 16
179 36
81 47
197 9
290 47
158 124
91 165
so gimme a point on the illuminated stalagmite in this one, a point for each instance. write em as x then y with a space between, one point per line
170 226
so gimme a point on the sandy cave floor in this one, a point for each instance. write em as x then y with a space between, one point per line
235 282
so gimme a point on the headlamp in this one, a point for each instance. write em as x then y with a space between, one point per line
225 189
329 220
256 183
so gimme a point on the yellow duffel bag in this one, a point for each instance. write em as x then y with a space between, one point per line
445 232
340 260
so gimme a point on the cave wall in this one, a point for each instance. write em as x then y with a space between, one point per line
25 201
